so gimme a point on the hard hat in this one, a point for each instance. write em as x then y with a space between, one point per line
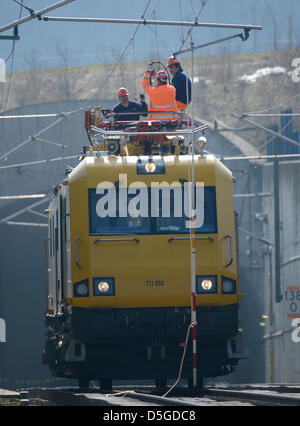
173 60
161 75
123 92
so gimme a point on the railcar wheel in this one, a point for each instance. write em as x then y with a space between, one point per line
105 384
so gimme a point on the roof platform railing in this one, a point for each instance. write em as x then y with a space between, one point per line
123 133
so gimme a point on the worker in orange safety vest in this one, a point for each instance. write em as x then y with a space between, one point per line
162 97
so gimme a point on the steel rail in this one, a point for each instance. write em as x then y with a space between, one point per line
160 400
82 398
255 396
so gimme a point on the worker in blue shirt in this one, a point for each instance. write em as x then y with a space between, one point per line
127 106
181 82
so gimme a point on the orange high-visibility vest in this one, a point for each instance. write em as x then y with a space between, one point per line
181 105
162 98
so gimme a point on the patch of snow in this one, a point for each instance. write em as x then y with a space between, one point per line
262 72
196 79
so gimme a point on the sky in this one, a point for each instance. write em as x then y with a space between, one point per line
45 44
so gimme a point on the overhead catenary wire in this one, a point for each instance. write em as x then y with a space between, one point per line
37 224
21 197
11 117
180 12
11 55
163 41
24 210
35 163
285 101
29 139
193 9
121 57
258 157
259 126
24 6
196 24
38 162
35 136
275 136
156 35
294 114
203 4
232 158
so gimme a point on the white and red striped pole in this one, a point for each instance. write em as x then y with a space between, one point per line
193 254
194 309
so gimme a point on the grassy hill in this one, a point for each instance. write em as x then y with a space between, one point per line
218 89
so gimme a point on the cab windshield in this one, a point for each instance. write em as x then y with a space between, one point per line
151 225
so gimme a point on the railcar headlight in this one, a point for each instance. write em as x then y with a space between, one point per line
207 284
150 167
155 166
81 289
200 144
104 286
228 286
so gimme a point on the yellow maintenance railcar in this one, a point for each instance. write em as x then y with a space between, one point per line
119 283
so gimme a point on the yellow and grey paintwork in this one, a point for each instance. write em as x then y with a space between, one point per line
154 258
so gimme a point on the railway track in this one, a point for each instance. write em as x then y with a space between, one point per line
287 395
97 398
258 396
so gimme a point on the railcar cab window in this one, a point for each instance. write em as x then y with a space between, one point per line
174 225
129 225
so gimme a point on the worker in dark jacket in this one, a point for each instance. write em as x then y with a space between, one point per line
181 82
127 106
